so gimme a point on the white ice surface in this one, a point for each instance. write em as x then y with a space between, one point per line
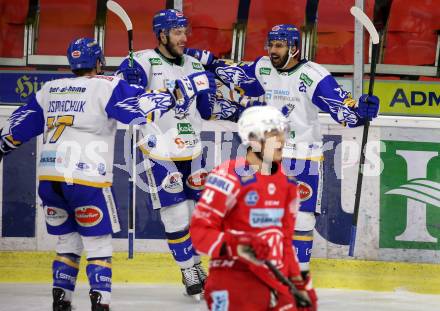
33 297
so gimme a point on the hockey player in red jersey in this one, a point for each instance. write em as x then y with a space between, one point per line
245 218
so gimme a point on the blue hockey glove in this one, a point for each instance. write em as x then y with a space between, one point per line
193 85
368 106
132 75
204 56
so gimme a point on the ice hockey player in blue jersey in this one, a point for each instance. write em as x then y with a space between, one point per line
77 118
299 89
173 151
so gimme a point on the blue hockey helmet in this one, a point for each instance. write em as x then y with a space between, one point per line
168 19
83 53
285 32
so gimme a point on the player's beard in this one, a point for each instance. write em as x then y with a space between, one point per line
172 49
280 61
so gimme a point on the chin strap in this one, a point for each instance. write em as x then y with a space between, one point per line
290 57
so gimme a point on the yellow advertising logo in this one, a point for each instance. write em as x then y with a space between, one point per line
411 98
26 87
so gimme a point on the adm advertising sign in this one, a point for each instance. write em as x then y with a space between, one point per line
412 98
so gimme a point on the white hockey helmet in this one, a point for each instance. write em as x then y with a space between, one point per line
258 120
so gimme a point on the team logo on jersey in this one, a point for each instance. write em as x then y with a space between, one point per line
265 71
197 66
265 217
155 61
305 191
251 198
173 183
197 179
88 216
185 128
271 188
55 216
220 183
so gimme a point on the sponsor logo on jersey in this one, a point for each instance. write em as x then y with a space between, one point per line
220 300
50 158
281 95
305 191
276 28
173 183
251 198
185 128
197 66
55 216
220 183
88 216
182 144
271 188
271 203
155 61
81 166
197 179
265 71
305 78
265 217
101 169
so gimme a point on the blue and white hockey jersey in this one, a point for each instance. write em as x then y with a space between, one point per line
77 117
299 93
176 136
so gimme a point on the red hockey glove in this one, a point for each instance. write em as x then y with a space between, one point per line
238 244
305 287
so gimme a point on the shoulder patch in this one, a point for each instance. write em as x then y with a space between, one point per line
155 61
197 66
265 71
220 183
306 79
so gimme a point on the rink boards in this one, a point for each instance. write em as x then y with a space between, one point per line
400 206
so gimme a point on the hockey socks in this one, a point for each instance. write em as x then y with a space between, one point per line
99 273
65 269
181 247
303 243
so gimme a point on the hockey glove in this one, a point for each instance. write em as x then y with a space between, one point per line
238 244
192 85
132 75
5 147
368 106
306 293
203 56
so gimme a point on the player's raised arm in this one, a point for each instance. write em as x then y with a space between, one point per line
23 124
331 98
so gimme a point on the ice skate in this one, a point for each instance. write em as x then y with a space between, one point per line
193 285
95 299
201 272
59 304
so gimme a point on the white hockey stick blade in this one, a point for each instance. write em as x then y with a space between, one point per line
120 12
366 22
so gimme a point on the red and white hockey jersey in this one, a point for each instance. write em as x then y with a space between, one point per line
236 199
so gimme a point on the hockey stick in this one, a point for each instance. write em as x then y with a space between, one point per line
360 16
247 253
123 16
